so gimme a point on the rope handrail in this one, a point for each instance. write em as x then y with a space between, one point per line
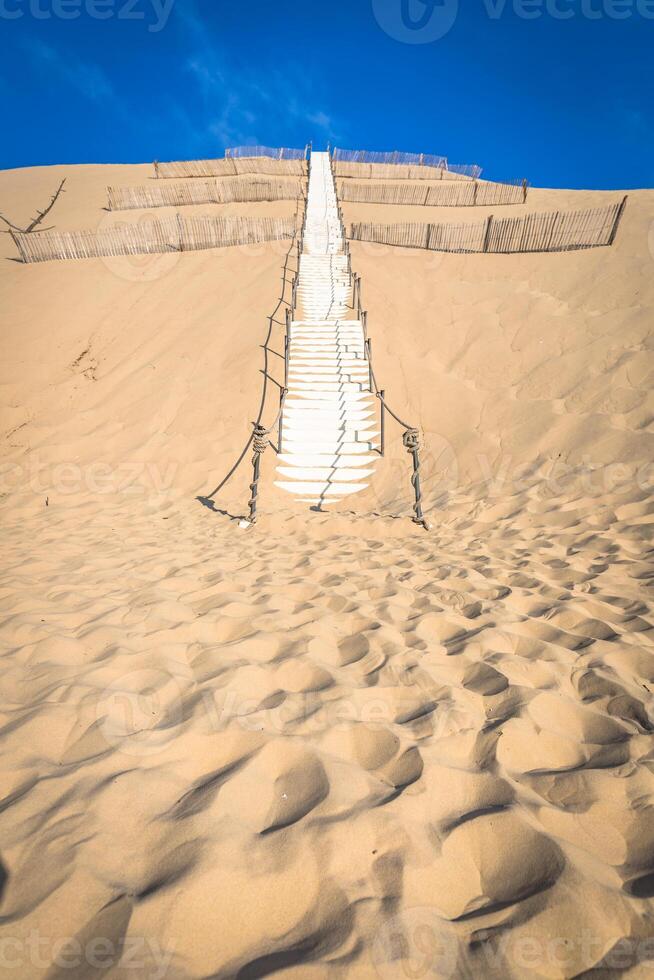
380 394
295 241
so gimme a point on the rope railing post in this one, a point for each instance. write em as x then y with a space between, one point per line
411 440
369 351
281 420
382 426
286 346
260 444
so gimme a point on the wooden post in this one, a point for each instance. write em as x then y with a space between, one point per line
524 190
180 231
474 200
19 245
550 239
286 355
369 347
618 219
259 448
281 420
420 517
489 224
382 395
364 324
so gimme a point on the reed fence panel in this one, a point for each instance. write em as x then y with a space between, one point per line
380 171
230 167
410 160
274 152
460 194
552 232
159 195
175 234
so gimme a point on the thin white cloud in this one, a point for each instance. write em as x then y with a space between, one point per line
252 102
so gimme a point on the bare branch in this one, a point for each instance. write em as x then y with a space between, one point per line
8 222
40 214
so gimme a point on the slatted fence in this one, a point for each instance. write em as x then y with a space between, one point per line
230 167
160 195
459 194
553 232
176 234
396 158
275 152
383 171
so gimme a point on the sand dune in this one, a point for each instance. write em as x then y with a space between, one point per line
333 745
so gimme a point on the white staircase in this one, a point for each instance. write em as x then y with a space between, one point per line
330 420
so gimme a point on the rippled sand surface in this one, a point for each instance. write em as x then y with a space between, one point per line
332 745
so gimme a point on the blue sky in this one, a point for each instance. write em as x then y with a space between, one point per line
558 91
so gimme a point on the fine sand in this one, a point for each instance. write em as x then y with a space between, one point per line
332 745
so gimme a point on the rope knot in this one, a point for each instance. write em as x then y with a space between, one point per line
260 441
411 440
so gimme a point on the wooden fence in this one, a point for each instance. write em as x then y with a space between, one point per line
459 194
160 195
275 153
555 232
231 167
396 158
381 171
160 235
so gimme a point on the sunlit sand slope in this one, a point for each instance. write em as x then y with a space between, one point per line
332 745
